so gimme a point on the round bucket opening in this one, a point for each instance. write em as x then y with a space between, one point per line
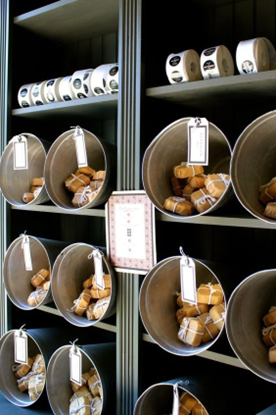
71 269
61 163
59 388
253 164
169 149
8 381
254 296
158 305
158 399
15 184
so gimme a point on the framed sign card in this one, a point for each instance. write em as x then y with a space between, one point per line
131 232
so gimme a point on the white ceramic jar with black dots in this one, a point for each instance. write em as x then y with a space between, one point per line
81 83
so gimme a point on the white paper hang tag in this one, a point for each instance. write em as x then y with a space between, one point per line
80 147
75 360
198 141
20 153
175 408
27 253
98 268
20 346
188 279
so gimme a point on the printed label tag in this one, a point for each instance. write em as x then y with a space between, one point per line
80 147
98 269
198 141
20 153
75 358
188 280
20 347
175 408
27 253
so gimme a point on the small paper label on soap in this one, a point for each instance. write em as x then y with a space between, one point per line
188 280
27 253
175 408
98 269
20 347
198 142
20 153
75 365
80 148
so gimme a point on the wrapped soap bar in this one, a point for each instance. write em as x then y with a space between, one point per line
217 313
76 180
268 191
37 181
184 170
100 307
40 277
80 406
99 175
186 403
272 354
107 281
192 310
191 331
96 184
210 328
23 383
36 296
21 370
90 312
46 285
270 210
177 185
197 182
84 378
97 293
198 409
38 364
81 303
83 391
96 406
95 385
202 200
28 197
187 191
83 196
88 171
216 184
270 318
179 205
269 335
88 282
210 294
180 314
36 386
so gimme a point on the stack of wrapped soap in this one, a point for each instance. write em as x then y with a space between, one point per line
41 282
35 189
85 184
201 322
194 190
93 301
189 405
268 198
87 398
31 377
269 333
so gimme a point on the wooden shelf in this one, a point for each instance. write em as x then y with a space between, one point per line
55 209
100 107
226 89
69 21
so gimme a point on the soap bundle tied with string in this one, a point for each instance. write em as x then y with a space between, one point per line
193 190
267 196
269 333
201 311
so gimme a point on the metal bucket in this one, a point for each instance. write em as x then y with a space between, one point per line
43 341
158 398
14 183
157 304
247 306
71 268
61 162
168 149
253 163
59 391
17 280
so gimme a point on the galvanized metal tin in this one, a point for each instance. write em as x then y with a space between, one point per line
14 183
61 162
168 149
157 304
43 341
17 280
71 268
248 304
59 391
253 163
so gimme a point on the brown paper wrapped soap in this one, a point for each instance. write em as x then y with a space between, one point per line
272 354
177 185
184 170
38 364
23 383
202 200
197 182
96 406
95 385
210 294
269 335
36 296
268 191
99 175
216 184
101 307
187 191
76 180
84 378
217 313
36 385
97 293
270 210
199 410
191 331
81 303
83 391
186 403
40 277
270 318
179 205
107 281
83 196
28 197
80 406
22 369
210 329
192 310
88 171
